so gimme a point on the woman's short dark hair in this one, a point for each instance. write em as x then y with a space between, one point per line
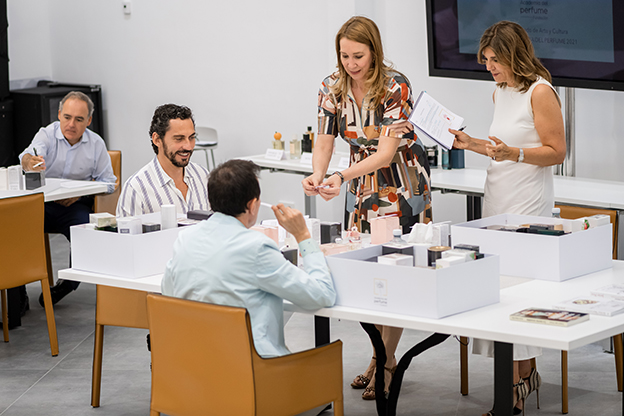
162 115
232 185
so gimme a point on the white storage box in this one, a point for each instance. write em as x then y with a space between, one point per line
536 256
415 291
126 255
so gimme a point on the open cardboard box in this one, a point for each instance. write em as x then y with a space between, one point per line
361 282
535 256
125 255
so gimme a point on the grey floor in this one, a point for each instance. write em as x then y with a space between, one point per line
32 382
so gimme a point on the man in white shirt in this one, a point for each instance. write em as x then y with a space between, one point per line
222 261
170 177
67 149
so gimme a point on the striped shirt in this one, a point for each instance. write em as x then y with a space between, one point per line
151 187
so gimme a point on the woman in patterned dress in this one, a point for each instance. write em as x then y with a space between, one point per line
367 103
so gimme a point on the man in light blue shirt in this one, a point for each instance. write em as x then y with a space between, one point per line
222 261
67 149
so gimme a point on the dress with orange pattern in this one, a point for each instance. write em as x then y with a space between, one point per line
403 187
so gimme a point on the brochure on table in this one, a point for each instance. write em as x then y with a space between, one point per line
361 282
126 255
544 257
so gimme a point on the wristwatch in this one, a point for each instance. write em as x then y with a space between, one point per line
341 177
521 156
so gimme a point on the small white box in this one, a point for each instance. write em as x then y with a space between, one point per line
125 255
102 219
360 282
543 257
129 225
396 259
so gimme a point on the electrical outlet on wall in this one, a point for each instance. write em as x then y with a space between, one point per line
288 204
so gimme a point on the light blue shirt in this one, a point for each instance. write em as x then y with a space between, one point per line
220 261
87 160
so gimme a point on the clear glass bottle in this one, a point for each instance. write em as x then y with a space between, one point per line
295 148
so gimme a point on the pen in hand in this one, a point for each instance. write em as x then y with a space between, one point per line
38 164
461 128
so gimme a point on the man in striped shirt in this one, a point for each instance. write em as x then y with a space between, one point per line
171 177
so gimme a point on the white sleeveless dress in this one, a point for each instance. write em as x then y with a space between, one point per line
516 188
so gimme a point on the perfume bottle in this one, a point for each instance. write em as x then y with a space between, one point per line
278 143
306 143
311 135
295 148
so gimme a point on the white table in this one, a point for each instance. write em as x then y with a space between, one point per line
56 189
295 166
581 192
490 322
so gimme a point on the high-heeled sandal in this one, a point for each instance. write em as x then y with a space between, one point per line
369 392
533 382
361 381
521 391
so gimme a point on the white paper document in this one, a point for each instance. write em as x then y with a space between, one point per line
432 119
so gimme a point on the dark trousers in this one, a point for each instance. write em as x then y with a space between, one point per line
59 218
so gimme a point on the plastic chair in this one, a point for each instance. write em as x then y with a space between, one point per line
24 259
207 139
567 212
204 363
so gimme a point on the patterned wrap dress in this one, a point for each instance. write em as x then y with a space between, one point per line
403 187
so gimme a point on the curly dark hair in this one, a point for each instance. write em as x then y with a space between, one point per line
232 185
162 115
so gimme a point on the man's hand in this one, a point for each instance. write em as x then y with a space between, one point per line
292 220
29 161
68 201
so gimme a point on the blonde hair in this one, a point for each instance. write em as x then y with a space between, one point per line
513 48
363 30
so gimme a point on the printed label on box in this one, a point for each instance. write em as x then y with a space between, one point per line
380 289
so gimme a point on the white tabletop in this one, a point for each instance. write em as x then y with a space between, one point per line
56 189
295 165
490 322
568 190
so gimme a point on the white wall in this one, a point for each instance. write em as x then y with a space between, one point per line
249 68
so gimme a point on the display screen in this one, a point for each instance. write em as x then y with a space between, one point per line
577 40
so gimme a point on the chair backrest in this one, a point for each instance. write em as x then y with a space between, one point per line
571 212
201 358
22 248
108 202
206 134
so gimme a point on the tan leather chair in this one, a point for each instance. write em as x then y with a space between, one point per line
114 306
102 203
108 202
23 259
572 212
204 363
567 212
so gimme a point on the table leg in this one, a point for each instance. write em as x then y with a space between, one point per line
503 379
473 207
388 406
310 206
96 377
321 331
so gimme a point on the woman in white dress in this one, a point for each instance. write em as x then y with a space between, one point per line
526 138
